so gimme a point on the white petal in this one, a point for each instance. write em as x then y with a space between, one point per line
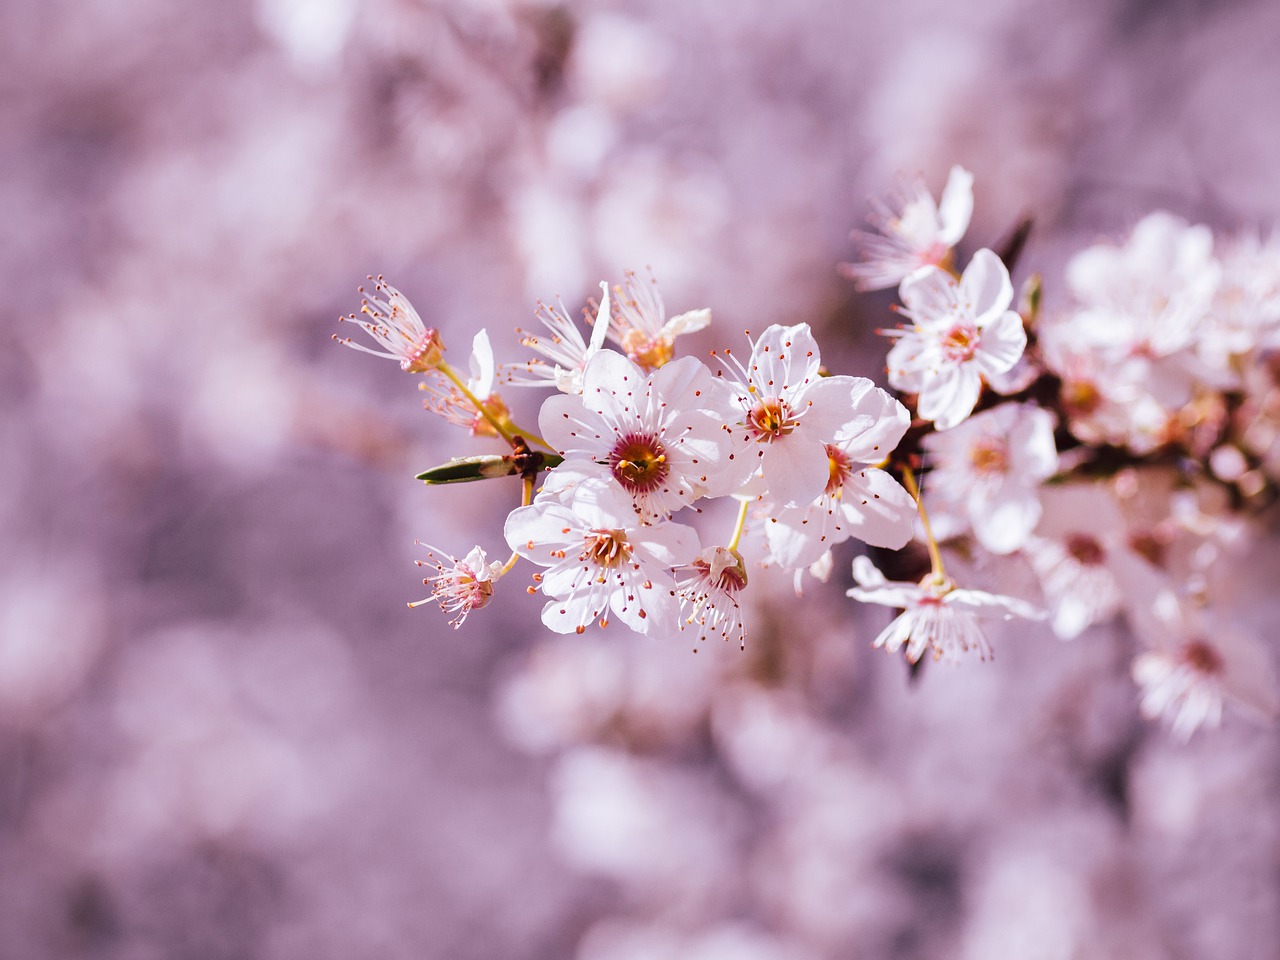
688 322
929 294
949 397
879 423
985 287
601 326
955 209
1004 514
1001 343
796 470
877 510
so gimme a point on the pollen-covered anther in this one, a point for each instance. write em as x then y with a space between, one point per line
607 548
639 462
841 469
990 456
960 343
771 419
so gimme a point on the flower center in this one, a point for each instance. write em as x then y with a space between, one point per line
771 419
606 548
960 342
639 461
840 467
647 353
1080 398
1201 657
1086 550
424 355
990 456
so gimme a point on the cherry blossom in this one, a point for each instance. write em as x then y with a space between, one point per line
639 325
961 331
1195 663
860 500
790 412
709 589
987 471
459 586
396 326
661 438
565 349
937 615
912 231
446 400
599 558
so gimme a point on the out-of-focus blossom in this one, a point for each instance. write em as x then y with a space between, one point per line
937 615
396 326
912 231
961 331
1194 664
986 474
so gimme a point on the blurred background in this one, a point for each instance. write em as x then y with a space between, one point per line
223 735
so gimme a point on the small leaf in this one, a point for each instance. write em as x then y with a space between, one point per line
485 467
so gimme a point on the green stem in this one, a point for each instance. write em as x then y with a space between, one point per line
935 555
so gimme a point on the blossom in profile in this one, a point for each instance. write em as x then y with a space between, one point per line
985 474
459 586
446 400
600 559
395 325
911 231
961 332
708 590
639 323
936 615
660 437
564 352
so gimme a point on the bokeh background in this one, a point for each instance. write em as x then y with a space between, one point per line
223 735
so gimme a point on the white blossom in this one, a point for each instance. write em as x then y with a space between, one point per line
912 231
599 558
639 323
397 328
459 586
566 353
937 615
961 331
661 437
985 474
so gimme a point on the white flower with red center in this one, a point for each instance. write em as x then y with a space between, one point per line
859 500
660 438
1081 553
912 232
446 400
639 323
709 589
397 328
566 353
599 558
790 412
1195 664
961 332
459 586
937 615
986 473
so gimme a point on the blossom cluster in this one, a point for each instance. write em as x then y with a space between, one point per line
1112 448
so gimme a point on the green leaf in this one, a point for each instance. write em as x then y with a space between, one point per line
486 467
